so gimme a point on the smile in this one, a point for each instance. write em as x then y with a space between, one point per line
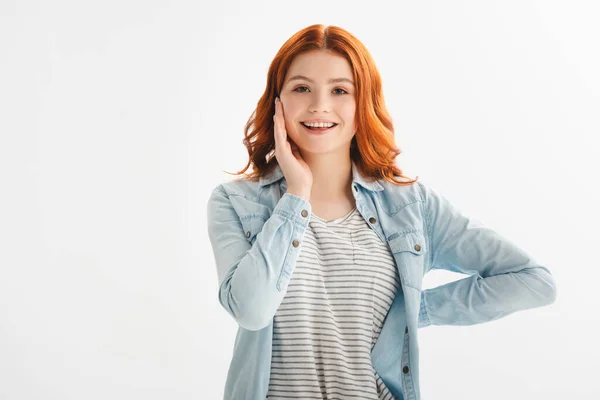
318 130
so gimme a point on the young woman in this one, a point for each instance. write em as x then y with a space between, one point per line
321 251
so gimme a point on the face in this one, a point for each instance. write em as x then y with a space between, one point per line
319 87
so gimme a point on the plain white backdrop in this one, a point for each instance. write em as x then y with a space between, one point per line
118 117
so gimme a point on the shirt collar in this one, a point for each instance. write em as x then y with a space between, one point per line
276 174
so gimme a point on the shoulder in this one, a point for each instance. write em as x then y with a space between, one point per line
238 187
400 196
244 198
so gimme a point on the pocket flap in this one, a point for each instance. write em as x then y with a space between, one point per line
252 226
408 241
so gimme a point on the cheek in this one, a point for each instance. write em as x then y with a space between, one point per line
290 126
291 106
290 111
349 111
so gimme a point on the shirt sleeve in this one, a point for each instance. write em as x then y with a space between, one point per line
253 277
503 278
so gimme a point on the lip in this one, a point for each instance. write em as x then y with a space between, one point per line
320 132
320 120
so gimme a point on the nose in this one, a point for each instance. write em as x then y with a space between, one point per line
320 102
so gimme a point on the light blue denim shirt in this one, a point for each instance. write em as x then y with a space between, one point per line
256 231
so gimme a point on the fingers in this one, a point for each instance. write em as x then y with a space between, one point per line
276 125
279 123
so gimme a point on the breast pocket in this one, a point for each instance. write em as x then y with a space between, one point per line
252 225
409 251
252 216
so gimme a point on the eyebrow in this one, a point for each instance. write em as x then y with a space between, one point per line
336 80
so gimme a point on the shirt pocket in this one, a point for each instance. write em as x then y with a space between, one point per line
409 249
252 225
252 216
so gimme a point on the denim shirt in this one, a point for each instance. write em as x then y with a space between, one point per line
256 230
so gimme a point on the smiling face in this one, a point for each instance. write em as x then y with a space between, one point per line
319 87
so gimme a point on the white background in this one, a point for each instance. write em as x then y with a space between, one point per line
118 117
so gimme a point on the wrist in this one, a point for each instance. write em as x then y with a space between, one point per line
302 193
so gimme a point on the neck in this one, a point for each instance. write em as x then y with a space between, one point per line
332 176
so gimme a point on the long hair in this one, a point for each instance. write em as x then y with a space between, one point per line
373 147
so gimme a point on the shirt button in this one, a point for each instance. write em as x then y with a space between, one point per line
248 234
295 243
304 213
417 247
405 370
372 220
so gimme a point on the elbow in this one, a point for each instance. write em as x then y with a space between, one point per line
253 321
545 285
246 314
551 284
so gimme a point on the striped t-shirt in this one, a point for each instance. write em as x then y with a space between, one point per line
338 296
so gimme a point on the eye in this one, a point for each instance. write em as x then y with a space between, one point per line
304 87
341 90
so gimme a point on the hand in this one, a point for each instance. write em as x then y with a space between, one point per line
297 173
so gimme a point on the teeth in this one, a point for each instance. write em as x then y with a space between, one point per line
319 124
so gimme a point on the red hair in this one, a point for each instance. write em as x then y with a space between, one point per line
373 148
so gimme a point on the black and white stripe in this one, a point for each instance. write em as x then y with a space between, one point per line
342 287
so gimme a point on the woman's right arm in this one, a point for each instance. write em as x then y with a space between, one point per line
253 278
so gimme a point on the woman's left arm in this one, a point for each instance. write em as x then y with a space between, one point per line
503 277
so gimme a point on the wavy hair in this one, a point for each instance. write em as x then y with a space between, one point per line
373 147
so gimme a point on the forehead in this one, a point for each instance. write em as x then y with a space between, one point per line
320 65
